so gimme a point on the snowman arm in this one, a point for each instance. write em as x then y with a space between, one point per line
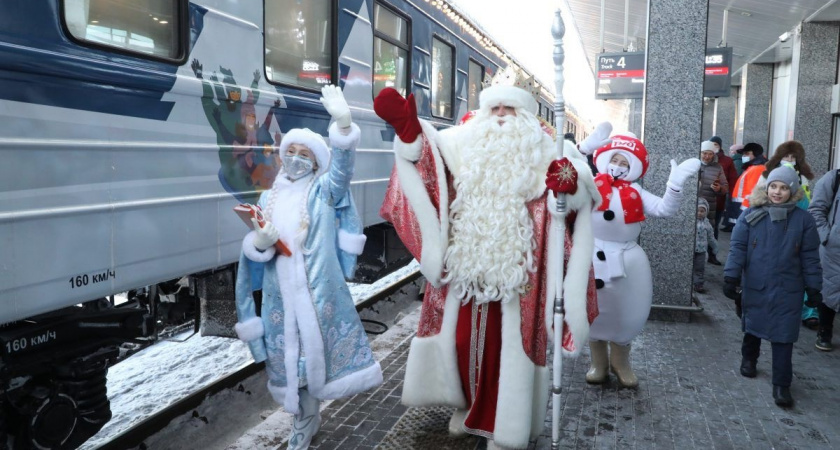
665 206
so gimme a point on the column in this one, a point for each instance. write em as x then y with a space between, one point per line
725 119
635 117
754 114
708 119
815 54
672 129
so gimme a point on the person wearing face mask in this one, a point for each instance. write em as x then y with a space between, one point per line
307 329
774 253
753 159
712 183
622 270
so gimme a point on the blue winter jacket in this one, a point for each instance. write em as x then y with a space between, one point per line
775 261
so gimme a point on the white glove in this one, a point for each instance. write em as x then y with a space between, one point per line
266 236
335 104
681 172
600 137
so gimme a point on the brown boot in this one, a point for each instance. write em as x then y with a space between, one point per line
598 370
620 365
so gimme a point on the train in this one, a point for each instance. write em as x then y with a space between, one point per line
130 129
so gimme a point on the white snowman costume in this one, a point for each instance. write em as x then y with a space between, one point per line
622 269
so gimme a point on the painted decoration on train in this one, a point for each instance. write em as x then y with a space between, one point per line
247 150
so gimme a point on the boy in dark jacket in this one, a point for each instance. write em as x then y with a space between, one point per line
774 252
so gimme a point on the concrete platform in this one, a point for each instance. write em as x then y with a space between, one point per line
690 396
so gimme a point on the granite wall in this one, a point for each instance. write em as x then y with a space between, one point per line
817 64
673 116
756 91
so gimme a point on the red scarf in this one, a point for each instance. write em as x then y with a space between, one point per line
631 201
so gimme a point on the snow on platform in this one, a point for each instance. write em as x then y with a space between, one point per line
160 375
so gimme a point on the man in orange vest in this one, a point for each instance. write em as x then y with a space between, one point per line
754 160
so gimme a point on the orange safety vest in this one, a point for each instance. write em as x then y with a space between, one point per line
745 184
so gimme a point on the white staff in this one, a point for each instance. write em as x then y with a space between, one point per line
558 29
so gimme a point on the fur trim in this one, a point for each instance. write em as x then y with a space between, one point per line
254 254
514 413
508 96
313 141
250 329
278 393
411 151
542 389
575 278
587 193
342 141
434 226
758 196
431 372
351 243
352 384
298 318
794 148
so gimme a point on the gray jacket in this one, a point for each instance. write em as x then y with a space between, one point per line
824 205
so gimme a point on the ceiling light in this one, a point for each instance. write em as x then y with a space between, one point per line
163 22
746 14
784 36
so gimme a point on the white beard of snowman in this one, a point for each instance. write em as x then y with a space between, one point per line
622 269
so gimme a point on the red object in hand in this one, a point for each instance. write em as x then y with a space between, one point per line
561 177
247 211
399 112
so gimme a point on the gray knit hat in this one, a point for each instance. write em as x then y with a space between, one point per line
787 176
702 203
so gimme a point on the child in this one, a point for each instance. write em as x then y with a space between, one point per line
705 239
774 253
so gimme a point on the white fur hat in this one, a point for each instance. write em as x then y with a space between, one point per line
313 141
708 146
507 96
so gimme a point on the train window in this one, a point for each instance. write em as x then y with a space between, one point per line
476 78
298 42
443 67
147 27
390 50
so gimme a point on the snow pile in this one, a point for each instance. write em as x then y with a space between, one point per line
168 371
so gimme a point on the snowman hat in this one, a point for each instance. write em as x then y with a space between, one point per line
629 147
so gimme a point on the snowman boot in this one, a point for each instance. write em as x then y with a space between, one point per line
307 421
620 365
599 366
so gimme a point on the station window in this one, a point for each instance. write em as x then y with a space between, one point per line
298 42
476 78
390 50
443 68
146 27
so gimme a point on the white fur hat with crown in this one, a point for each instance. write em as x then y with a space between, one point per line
510 88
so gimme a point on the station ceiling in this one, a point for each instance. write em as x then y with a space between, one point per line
753 29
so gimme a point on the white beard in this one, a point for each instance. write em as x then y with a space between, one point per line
491 245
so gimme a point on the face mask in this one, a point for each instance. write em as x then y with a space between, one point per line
745 159
617 171
789 164
297 166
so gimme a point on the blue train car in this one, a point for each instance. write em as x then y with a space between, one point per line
129 129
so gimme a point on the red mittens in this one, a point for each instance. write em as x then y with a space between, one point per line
561 177
399 112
